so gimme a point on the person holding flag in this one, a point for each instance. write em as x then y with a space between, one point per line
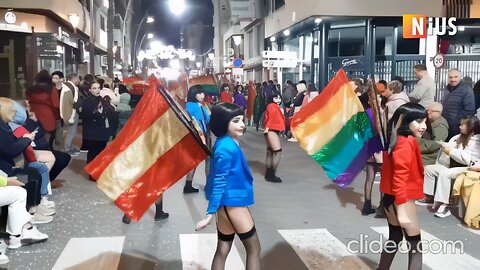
201 114
229 189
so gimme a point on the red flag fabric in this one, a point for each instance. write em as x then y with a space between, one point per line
155 149
252 93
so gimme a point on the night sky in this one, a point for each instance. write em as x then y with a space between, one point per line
167 26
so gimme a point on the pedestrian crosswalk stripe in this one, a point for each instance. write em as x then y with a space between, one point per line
439 257
91 253
319 249
198 250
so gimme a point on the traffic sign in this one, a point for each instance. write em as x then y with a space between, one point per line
237 62
438 60
279 54
230 52
279 63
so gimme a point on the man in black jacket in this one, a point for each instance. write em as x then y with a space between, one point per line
459 102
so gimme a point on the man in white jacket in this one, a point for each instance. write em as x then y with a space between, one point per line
68 99
457 155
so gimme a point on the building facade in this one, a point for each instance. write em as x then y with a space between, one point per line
363 37
37 35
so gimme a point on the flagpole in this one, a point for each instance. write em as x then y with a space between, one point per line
188 123
373 96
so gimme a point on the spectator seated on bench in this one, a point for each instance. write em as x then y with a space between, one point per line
467 186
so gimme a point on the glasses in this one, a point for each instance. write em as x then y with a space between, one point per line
433 111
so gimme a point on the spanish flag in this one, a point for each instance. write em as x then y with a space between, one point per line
156 148
336 131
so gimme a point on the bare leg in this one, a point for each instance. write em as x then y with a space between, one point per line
244 226
226 234
274 143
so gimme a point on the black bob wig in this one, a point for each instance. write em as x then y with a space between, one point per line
193 91
221 116
401 119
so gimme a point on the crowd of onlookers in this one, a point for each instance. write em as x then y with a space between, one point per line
37 137
450 147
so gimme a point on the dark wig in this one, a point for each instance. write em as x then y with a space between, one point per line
193 91
222 88
221 116
401 119
272 96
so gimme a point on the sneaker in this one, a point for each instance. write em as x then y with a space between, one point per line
41 219
28 237
48 204
75 150
72 153
425 201
445 213
41 209
292 139
3 258
83 150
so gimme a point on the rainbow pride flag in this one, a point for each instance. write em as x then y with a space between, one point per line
336 131
207 82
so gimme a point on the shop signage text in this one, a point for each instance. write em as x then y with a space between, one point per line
419 25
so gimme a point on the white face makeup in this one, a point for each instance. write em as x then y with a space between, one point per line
277 99
236 127
95 89
200 97
418 127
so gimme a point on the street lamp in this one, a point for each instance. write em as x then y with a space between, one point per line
177 7
149 35
148 19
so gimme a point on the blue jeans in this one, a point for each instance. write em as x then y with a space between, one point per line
71 132
43 171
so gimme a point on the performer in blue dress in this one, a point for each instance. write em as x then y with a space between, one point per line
229 188
200 112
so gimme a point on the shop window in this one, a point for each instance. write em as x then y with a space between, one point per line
407 45
384 40
251 44
103 23
278 4
346 42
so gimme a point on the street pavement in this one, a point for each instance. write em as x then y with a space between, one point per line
306 222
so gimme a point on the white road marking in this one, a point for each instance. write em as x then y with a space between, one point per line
319 249
198 251
441 254
91 253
